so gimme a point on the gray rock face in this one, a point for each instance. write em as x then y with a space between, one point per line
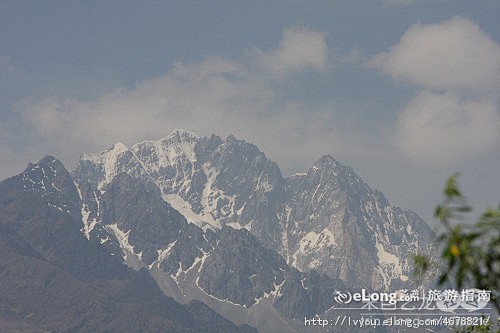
228 264
50 179
54 279
241 270
212 182
335 223
327 219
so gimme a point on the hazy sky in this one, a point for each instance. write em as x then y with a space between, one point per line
406 92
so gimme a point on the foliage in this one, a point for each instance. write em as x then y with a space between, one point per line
471 252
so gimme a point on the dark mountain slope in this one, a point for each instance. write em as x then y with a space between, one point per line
53 278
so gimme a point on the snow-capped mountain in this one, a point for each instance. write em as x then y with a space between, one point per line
214 220
327 219
210 181
227 268
336 224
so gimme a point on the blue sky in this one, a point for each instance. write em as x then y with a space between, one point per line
406 92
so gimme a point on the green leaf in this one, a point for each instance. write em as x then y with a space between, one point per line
451 188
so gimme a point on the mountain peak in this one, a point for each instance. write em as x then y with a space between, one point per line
47 163
326 160
50 179
182 133
328 164
49 159
119 147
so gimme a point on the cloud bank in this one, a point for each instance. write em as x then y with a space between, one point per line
445 128
217 95
453 117
299 50
457 66
449 55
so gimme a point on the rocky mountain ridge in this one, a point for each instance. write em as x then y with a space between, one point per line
52 279
326 219
214 220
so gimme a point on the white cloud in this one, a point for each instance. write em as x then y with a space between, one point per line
448 55
216 95
439 129
455 117
300 50
210 92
